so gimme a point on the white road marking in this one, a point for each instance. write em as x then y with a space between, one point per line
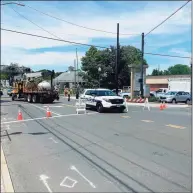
68 179
75 169
53 140
44 109
40 118
147 121
176 126
44 178
53 106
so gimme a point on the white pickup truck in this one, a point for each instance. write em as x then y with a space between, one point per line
102 99
160 92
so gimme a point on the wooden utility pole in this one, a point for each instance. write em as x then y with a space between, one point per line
77 65
75 73
117 59
142 54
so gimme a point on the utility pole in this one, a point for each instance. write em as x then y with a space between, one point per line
75 73
142 54
191 78
117 59
77 65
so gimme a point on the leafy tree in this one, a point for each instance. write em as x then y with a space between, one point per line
179 69
106 60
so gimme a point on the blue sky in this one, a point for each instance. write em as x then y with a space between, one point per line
134 17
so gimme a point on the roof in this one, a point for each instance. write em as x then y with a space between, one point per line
68 77
168 76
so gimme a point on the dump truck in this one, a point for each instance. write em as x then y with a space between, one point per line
32 89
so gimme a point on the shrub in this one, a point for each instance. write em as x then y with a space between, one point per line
153 99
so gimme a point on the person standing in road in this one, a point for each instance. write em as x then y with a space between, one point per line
68 94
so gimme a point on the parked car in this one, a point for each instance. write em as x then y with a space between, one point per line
119 91
176 97
125 94
158 93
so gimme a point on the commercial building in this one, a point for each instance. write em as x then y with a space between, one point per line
156 82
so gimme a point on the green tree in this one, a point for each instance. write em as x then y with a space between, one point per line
179 69
106 59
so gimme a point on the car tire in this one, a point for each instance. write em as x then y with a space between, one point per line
187 101
99 108
121 110
174 101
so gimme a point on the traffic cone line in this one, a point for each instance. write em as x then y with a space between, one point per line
161 107
48 113
19 116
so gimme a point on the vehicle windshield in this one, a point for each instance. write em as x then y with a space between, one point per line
105 93
171 93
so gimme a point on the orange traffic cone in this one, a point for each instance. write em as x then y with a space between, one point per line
48 113
161 107
19 116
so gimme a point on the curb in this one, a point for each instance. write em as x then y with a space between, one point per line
6 179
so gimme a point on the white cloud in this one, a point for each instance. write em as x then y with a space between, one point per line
132 21
41 59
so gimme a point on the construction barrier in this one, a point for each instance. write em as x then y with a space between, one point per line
80 105
136 100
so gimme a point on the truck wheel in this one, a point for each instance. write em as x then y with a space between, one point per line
99 108
13 97
29 98
41 100
34 98
25 98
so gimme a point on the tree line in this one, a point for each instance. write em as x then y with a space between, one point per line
178 69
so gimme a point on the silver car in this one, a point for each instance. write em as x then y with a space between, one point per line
175 97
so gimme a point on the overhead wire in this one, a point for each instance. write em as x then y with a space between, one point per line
34 23
168 18
77 25
45 37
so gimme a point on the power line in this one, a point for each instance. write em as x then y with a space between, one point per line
81 26
45 37
166 55
34 23
14 31
168 17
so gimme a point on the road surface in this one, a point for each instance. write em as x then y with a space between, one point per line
138 151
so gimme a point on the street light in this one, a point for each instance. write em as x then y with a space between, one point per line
13 3
99 70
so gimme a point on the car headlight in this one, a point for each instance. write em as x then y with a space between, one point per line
107 100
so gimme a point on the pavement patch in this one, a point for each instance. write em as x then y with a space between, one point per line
176 126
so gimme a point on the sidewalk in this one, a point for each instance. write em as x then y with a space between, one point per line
6 183
157 105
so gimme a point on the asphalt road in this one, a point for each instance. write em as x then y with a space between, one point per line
138 151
